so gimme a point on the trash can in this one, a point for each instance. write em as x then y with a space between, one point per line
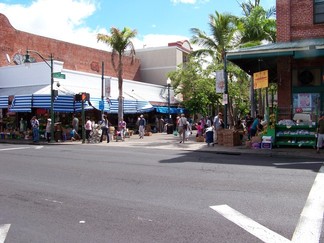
170 129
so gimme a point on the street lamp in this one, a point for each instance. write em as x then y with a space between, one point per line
50 65
225 89
169 84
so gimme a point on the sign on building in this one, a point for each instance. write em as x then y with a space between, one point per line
260 79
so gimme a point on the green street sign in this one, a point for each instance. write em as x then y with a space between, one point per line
59 75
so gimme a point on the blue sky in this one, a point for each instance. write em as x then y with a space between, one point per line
158 22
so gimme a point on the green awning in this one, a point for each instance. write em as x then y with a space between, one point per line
264 57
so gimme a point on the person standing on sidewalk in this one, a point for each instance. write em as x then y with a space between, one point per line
122 128
320 132
104 128
182 128
75 128
141 126
48 129
35 126
88 129
218 125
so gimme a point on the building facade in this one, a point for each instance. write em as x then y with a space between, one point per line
157 62
295 63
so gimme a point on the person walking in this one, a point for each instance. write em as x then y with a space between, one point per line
182 128
141 126
104 128
122 128
88 129
48 129
75 127
218 125
320 133
35 126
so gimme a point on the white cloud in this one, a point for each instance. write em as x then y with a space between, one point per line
184 1
66 20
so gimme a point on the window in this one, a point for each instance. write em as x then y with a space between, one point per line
318 11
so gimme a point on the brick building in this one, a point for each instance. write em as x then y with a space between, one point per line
14 43
295 61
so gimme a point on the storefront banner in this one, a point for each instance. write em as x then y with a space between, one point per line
107 87
219 81
261 79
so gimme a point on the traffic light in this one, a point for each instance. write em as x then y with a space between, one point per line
82 97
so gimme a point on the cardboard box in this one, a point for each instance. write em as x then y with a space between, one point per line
231 138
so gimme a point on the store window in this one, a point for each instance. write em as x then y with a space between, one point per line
308 103
318 11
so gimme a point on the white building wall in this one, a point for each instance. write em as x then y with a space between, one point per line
37 74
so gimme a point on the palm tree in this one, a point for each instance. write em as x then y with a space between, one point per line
224 36
121 44
223 28
248 6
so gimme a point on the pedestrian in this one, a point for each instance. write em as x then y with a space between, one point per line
141 126
22 126
104 128
248 122
182 128
48 129
256 126
35 126
200 129
320 133
161 124
75 128
218 125
122 128
88 129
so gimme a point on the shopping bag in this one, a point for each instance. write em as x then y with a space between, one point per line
175 133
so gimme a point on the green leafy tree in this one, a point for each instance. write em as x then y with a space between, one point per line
197 87
121 44
224 36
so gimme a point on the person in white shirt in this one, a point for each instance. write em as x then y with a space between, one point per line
182 128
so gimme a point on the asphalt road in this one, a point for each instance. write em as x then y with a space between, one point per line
91 193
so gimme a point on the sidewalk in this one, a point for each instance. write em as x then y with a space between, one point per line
169 141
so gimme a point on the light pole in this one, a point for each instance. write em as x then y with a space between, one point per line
50 65
225 89
169 84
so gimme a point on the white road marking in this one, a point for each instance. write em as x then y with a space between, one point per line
310 222
8 149
309 225
53 201
298 163
4 228
254 228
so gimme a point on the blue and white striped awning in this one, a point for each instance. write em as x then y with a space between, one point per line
62 103
95 103
66 103
131 106
21 103
3 102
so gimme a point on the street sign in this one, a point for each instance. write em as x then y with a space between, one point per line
101 105
59 75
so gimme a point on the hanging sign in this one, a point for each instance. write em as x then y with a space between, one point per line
107 87
260 79
219 81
